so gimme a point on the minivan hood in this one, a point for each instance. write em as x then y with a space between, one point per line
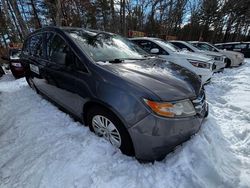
194 56
167 80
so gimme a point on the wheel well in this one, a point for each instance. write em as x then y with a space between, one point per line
228 62
88 106
93 104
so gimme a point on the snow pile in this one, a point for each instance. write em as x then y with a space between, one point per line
40 146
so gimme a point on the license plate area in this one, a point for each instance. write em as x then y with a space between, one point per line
34 69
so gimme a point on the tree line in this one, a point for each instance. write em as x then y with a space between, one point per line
208 20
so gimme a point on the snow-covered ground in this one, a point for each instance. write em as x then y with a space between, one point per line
40 146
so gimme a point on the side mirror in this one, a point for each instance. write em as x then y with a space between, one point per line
58 58
154 51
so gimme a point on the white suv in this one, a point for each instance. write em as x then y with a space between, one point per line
199 64
233 58
219 58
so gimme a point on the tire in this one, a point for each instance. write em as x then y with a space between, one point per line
207 112
228 63
31 84
126 145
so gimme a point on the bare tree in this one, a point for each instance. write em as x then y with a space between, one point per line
18 16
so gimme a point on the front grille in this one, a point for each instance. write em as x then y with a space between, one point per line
200 102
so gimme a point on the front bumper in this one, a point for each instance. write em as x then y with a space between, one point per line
154 136
238 62
206 78
220 65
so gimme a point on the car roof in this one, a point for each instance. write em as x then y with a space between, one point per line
247 42
143 38
181 41
60 29
197 42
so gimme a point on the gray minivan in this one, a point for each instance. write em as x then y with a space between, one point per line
142 105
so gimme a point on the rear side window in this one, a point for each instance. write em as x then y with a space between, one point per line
207 47
60 53
228 46
182 46
148 45
36 45
240 46
220 46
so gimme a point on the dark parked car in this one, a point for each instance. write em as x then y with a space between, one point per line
242 47
143 105
14 62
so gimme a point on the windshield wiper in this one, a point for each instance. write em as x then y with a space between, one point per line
120 60
116 61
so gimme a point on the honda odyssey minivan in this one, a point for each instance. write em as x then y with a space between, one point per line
142 105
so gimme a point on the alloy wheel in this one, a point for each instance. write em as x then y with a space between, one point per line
105 128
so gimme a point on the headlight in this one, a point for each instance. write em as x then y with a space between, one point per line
182 108
240 56
16 64
200 64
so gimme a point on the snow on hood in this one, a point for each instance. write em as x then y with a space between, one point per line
156 75
194 56
228 52
210 53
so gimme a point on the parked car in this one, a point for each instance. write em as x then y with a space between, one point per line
233 58
14 62
142 105
242 47
220 60
199 64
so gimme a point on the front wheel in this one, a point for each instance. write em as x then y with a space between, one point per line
228 63
105 124
31 83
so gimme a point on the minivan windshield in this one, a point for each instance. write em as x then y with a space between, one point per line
168 45
106 47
